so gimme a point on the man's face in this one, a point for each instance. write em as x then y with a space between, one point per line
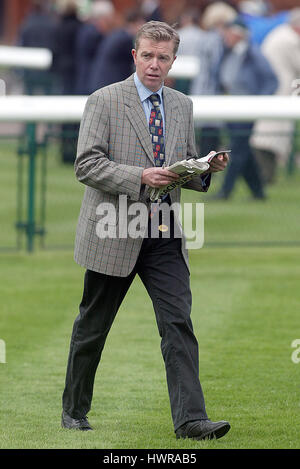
153 60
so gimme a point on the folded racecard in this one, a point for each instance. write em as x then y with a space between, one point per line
187 169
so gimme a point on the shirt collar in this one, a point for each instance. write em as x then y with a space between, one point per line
144 92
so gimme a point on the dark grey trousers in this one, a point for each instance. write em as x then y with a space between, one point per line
164 273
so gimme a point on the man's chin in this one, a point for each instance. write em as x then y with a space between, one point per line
153 83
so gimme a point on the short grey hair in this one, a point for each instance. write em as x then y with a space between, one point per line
217 14
157 31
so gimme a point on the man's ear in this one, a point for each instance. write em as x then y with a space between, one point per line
173 61
133 52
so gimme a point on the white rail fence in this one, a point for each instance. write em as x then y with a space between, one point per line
32 110
209 108
25 57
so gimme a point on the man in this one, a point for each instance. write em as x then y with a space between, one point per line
89 39
113 60
64 60
243 71
273 140
209 52
39 30
118 156
261 18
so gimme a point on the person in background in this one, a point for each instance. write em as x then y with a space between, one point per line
38 30
113 61
243 71
190 33
273 140
191 37
64 60
151 9
89 39
209 49
259 19
65 39
215 14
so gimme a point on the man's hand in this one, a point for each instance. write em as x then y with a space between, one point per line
218 163
158 177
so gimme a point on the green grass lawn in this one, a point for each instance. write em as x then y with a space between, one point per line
245 314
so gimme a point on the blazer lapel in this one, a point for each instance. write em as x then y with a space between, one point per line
171 124
136 115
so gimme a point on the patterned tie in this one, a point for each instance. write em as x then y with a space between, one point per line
156 131
158 143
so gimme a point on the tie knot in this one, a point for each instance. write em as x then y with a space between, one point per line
154 98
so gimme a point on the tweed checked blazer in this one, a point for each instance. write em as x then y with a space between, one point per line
114 147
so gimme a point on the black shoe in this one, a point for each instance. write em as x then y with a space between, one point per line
203 430
76 424
259 197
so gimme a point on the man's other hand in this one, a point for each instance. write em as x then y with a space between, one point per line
218 163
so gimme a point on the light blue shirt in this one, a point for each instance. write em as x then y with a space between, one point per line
144 94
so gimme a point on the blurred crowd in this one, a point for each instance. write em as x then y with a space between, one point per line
241 50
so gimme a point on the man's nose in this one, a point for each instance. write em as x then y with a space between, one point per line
154 63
